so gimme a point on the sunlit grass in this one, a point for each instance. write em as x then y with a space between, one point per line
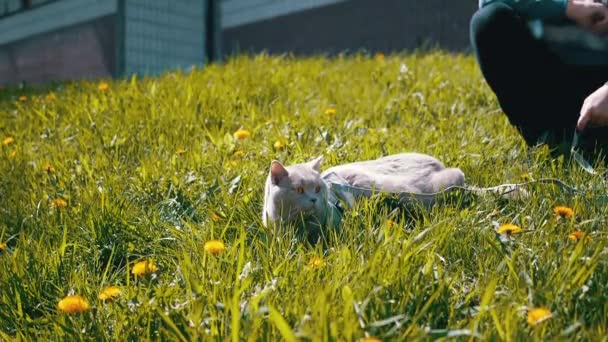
153 188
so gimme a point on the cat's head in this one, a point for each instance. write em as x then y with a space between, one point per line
295 192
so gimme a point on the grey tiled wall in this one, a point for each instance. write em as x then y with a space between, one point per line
161 35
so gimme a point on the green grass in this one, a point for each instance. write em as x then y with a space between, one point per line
130 196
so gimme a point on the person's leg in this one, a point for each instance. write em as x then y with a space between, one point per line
539 94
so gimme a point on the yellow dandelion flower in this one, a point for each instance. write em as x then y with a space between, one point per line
110 293
508 229
144 267
48 168
2 246
8 140
331 111
563 212
315 263
180 151
577 235
242 134
390 223
50 97
239 154
380 56
73 304
371 339
279 145
215 247
538 315
59 203
233 163
103 86
22 98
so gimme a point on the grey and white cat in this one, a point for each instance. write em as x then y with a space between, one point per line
303 193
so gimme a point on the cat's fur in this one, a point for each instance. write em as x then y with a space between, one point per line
400 173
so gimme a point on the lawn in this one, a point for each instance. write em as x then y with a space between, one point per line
124 183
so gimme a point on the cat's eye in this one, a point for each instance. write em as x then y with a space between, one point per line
318 188
300 190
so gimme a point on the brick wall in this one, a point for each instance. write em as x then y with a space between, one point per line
57 41
82 50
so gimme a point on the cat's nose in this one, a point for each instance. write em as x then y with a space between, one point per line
313 200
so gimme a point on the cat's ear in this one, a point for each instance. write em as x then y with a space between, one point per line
316 163
277 172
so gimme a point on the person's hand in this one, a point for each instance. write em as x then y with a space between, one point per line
595 110
590 15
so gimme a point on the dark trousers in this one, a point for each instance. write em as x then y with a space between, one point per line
541 95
